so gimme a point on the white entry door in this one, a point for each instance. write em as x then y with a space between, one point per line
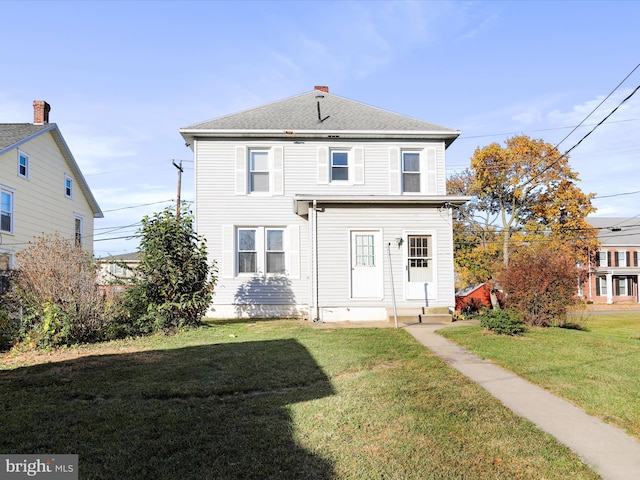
419 268
366 264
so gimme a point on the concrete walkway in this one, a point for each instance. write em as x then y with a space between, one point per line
609 451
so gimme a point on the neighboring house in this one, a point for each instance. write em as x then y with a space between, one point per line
615 271
324 208
41 187
116 271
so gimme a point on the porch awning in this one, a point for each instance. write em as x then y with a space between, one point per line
302 202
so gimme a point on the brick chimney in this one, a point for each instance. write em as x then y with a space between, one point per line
41 111
322 88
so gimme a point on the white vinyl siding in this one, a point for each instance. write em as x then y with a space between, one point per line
334 266
40 205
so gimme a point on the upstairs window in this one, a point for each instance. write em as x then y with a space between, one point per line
6 211
602 259
23 165
258 171
410 172
339 166
68 186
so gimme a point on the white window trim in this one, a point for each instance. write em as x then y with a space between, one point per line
11 192
28 161
420 171
428 176
349 167
621 258
71 186
261 251
603 258
269 170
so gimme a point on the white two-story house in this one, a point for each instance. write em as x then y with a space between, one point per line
324 208
42 189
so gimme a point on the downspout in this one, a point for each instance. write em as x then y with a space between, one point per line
315 260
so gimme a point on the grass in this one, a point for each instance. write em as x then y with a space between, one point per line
270 399
596 368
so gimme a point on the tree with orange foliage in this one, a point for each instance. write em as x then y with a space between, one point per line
523 191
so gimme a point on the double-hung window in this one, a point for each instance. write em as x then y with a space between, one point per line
68 186
601 286
260 250
23 164
621 258
603 259
411 172
275 250
247 253
6 211
77 229
339 166
258 171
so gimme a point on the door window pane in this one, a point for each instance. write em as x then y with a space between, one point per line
419 258
365 252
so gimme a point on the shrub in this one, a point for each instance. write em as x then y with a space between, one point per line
540 283
173 284
504 322
56 292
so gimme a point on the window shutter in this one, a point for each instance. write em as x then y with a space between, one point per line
241 171
394 171
358 163
628 259
278 171
228 251
430 172
635 258
608 259
323 165
616 286
294 251
615 259
598 280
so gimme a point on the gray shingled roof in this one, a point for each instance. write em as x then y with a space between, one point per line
616 231
337 114
13 133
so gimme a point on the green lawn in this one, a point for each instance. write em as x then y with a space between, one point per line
271 399
597 369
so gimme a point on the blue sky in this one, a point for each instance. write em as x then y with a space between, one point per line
123 77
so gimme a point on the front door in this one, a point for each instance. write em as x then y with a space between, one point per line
366 264
419 268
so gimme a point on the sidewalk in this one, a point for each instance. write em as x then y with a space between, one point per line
610 452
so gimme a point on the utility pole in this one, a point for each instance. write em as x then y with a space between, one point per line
179 167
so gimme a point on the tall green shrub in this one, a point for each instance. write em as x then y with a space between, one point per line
174 283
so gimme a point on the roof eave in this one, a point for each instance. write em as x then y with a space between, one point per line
301 202
447 136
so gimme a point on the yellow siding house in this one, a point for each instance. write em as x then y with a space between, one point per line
42 189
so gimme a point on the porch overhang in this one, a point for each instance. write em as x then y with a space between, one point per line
302 202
